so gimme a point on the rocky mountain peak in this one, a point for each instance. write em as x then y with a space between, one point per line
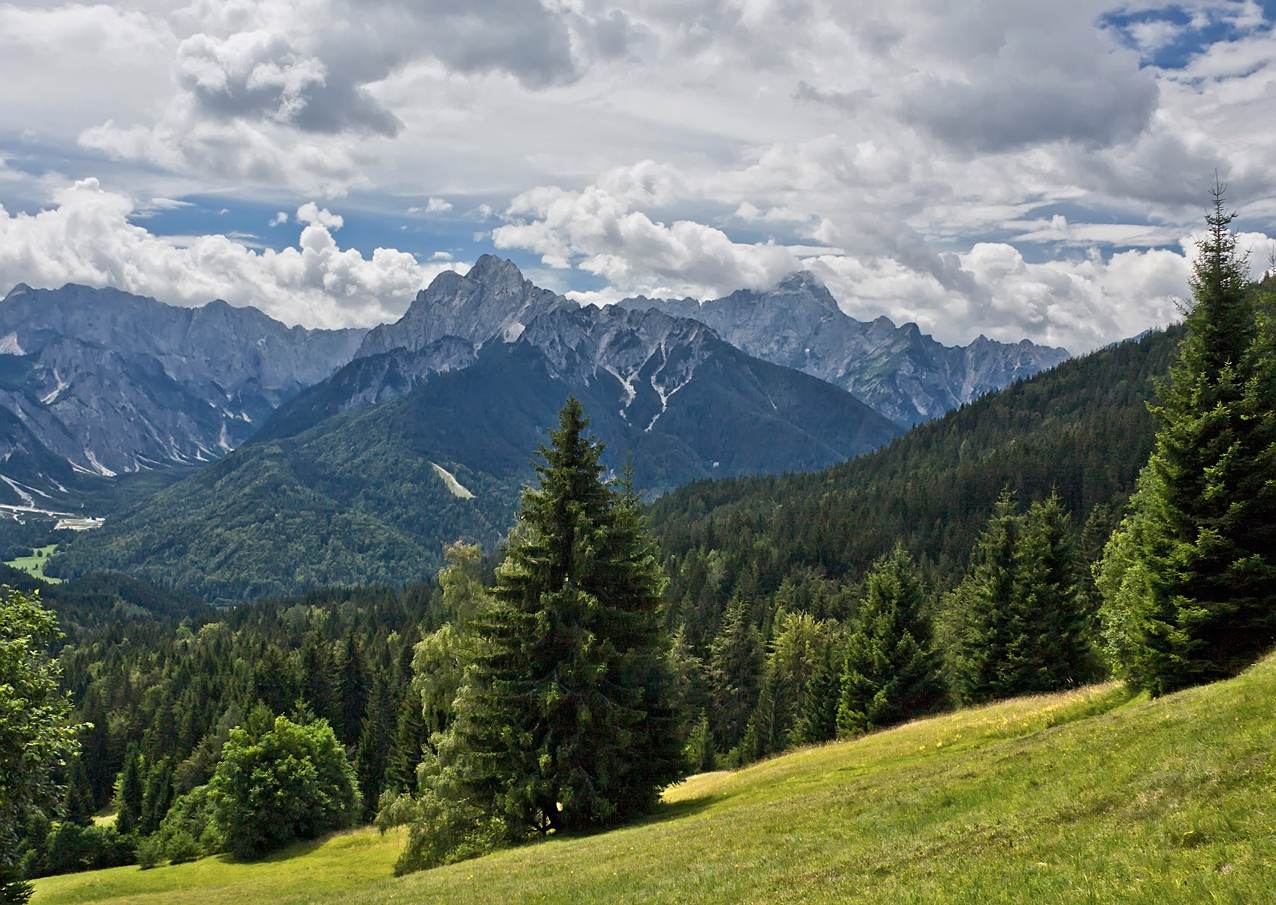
492 299
899 371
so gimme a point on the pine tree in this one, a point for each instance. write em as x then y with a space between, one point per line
352 693
566 720
373 752
891 670
735 660
1189 578
1016 624
817 718
1054 649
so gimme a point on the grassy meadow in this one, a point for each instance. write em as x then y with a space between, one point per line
34 564
1080 797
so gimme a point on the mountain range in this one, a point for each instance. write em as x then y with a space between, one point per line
425 437
353 456
102 382
900 372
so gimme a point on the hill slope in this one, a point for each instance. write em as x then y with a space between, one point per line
1066 798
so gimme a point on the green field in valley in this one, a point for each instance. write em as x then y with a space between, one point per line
34 564
1086 796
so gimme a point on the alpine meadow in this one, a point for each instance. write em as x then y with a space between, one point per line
622 452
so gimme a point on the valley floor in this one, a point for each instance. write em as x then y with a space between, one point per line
1079 797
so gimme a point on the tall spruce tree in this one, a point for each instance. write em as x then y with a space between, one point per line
1189 578
129 793
891 670
978 612
566 719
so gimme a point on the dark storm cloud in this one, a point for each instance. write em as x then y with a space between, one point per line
1036 89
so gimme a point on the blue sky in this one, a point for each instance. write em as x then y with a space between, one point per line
1005 167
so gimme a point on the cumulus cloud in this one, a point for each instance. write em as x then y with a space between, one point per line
87 238
631 251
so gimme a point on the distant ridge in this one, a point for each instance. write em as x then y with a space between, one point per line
898 371
108 382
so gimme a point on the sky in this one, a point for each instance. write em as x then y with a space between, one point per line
1011 168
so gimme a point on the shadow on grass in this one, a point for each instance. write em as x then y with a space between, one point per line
287 853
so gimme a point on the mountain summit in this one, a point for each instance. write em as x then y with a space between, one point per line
900 372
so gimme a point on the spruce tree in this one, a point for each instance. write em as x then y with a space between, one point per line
979 610
130 793
410 737
566 719
891 670
1189 578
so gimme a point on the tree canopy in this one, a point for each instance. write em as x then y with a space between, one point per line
36 737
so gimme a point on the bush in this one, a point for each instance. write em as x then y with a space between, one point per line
282 784
68 848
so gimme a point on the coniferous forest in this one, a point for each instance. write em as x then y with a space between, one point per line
1110 517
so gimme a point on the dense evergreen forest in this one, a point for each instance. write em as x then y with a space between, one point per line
1081 431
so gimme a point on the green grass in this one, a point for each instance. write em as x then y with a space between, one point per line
1082 797
34 565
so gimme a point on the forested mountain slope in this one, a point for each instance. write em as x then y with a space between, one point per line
371 495
1081 430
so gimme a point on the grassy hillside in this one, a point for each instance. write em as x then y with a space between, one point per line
1080 797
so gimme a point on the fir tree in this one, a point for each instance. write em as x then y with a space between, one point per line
817 718
1054 650
352 692
735 659
566 720
1189 579
891 670
1016 623
409 742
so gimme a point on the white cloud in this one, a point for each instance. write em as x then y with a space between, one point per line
279 219
87 238
635 254
438 206
312 213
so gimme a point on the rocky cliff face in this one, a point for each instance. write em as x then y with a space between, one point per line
898 371
111 382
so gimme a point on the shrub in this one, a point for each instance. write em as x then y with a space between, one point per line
282 784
